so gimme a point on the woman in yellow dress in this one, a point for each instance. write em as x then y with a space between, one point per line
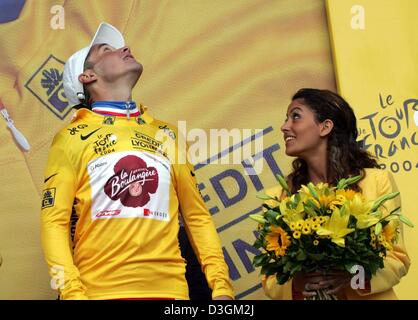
321 132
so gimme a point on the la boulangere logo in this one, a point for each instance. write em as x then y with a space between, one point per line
132 183
47 86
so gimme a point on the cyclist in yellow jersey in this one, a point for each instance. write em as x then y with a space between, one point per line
123 172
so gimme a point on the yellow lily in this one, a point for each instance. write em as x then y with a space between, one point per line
361 210
291 215
336 227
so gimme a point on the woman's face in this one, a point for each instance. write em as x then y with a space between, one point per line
302 134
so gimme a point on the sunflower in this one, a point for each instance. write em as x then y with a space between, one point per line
389 234
277 241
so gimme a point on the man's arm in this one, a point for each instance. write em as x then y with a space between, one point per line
196 280
202 232
57 200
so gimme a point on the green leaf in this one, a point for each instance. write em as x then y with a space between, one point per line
271 214
296 268
282 278
301 256
406 221
268 269
260 259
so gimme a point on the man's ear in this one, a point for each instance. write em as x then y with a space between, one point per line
326 127
87 77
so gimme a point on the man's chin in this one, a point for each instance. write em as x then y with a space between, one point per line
138 69
135 73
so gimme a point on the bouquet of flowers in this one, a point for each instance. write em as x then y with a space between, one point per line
324 228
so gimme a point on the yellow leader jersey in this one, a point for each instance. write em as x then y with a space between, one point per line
128 191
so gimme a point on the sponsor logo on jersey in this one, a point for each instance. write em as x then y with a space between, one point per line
85 137
75 130
137 183
109 120
105 144
168 131
48 198
145 142
97 165
133 182
139 120
47 86
49 178
108 213
155 214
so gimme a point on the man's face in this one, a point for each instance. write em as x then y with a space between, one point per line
111 65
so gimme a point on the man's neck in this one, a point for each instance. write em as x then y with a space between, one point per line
109 96
113 92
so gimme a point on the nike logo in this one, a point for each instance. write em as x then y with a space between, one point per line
88 135
50 177
192 173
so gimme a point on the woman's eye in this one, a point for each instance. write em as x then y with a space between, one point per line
295 116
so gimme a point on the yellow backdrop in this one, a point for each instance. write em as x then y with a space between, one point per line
375 54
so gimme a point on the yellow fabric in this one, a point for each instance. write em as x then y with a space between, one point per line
375 57
375 183
125 242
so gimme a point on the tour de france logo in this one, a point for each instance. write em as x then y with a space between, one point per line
132 183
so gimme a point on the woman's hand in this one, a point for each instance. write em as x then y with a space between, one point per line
223 298
333 282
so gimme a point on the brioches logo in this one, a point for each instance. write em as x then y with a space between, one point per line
47 86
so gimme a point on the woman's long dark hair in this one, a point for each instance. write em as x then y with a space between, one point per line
345 157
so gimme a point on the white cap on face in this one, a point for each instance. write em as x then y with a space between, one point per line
74 66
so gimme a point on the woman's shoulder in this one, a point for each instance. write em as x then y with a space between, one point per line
380 180
377 174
